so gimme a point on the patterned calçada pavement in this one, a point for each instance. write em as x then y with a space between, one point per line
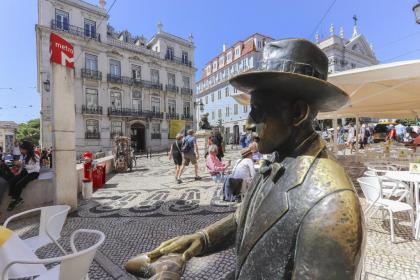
138 210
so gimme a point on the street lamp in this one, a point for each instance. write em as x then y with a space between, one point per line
416 10
47 85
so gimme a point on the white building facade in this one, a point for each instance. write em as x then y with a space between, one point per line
214 91
7 135
124 85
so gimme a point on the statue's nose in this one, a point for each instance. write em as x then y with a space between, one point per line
250 123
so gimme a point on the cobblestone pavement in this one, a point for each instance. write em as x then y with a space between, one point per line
138 210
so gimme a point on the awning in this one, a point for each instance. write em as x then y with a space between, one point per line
387 90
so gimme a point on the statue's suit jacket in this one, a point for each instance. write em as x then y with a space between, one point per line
301 220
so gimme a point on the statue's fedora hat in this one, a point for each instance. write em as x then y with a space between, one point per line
293 69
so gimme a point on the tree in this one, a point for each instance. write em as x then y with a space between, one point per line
29 131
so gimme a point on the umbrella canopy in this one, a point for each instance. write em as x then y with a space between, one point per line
387 90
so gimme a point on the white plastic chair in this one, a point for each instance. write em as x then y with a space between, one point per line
72 267
372 190
51 223
391 187
380 169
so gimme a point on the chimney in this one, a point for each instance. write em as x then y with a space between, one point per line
224 47
102 4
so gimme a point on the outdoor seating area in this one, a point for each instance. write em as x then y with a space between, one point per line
17 254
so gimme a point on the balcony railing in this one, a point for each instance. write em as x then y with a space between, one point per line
187 117
119 79
92 135
172 116
91 74
93 110
186 91
172 88
115 134
179 60
156 136
75 30
127 112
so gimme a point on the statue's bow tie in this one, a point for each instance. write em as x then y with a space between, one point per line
266 165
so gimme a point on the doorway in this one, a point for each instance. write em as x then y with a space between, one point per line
138 137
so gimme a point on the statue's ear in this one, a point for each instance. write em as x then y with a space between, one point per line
300 112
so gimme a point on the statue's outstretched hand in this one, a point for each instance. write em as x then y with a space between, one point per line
187 245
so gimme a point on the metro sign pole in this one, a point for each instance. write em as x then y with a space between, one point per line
63 121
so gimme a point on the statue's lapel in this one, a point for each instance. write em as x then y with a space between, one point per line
272 201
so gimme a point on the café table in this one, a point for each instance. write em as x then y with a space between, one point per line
414 180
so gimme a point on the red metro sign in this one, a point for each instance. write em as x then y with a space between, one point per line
61 51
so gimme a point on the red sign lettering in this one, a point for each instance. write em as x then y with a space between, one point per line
61 51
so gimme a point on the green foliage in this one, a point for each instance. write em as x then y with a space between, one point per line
29 131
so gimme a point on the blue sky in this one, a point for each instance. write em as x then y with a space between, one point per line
388 24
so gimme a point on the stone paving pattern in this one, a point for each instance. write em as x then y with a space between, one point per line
138 210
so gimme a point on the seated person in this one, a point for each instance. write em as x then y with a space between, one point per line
5 175
215 167
256 155
244 168
29 172
16 167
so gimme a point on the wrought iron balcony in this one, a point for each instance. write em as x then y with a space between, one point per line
92 135
147 84
172 88
187 117
75 30
179 60
128 112
172 116
115 134
93 110
156 136
186 91
91 74
119 79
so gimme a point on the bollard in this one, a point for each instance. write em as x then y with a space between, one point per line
87 185
87 189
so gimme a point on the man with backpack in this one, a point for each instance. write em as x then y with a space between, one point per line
190 151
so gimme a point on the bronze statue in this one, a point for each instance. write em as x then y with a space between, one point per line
204 122
301 219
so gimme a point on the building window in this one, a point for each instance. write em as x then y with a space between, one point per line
169 53
91 98
90 28
184 57
237 51
155 128
245 108
62 19
212 97
235 109
186 82
92 128
136 72
235 90
207 99
227 91
91 62
227 111
172 106
115 67
219 94
219 113
137 103
229 57
212 115
154 74
155 104
221 61
116 129
171 79
116 102
259 44
186 108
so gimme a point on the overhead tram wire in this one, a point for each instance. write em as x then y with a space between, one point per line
401 55
100 23
323 17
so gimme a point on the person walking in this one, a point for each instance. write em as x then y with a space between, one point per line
29 172
189 150
16 151
176 154
400 130
218 141
363 135
351 137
